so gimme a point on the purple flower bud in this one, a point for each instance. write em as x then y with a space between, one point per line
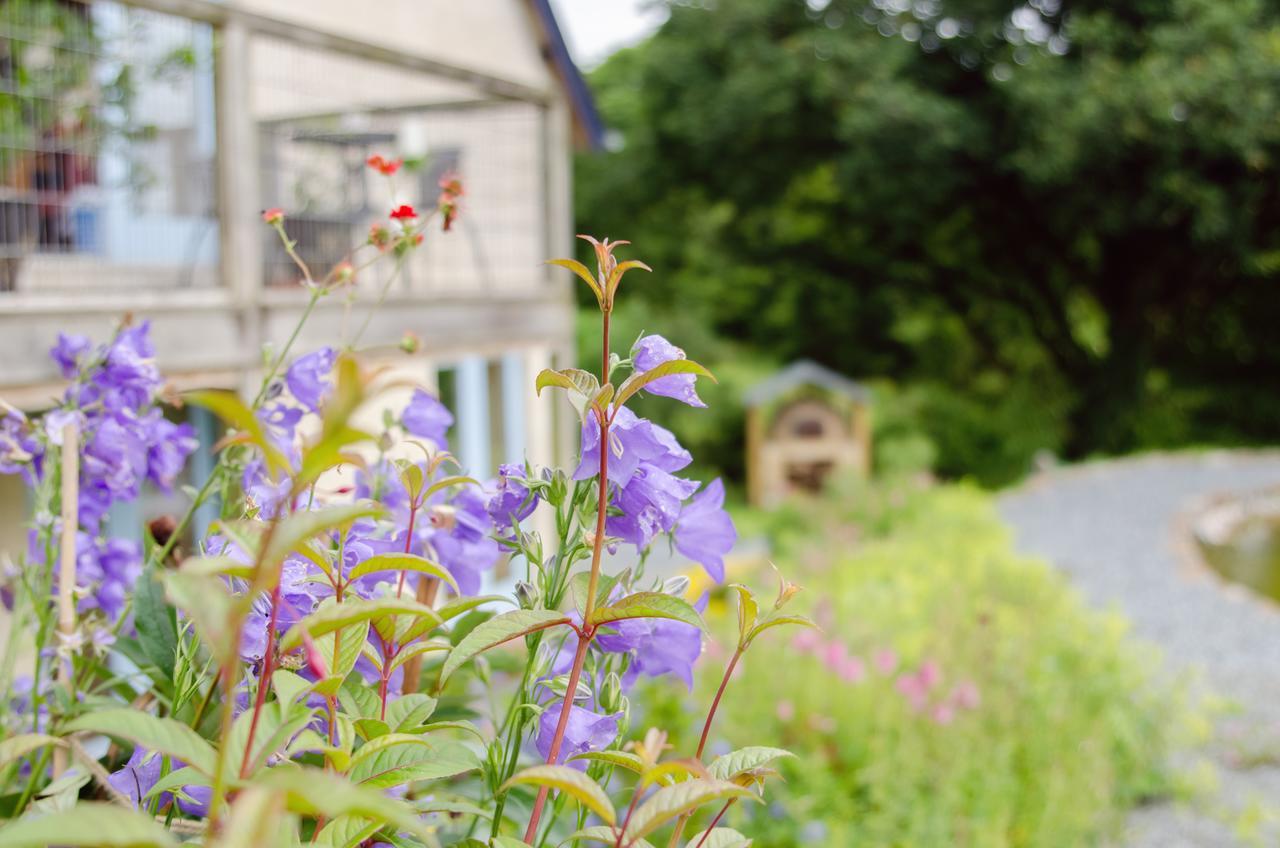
652 351
511 498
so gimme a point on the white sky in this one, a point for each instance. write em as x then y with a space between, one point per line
596 28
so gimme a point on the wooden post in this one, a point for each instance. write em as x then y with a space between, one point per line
755 457
67 567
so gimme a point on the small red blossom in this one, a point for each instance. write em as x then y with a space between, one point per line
403 212
344 272
273 216
384 166
451 184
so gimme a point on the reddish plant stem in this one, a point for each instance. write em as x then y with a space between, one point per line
408 542
264 679
706 733
626 820
588 631
715 704
715 821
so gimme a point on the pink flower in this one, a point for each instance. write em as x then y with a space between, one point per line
273 216
944 714
852 670
786 711
929 674
834 655
914 690
806 640
966 695
886 660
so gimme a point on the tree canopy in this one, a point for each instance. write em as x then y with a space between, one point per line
1061 215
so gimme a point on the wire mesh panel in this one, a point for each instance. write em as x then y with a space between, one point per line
321 114
106 148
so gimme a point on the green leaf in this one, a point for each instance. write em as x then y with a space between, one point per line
670 802
217 566
448 482
580 385
155 621
312 792
287 685
465 605
602 833
417 649
208 604
340 652
89 824
403 562
639 380
779 621
291 533
232 410
748 610
411 711
744 759
581 270
23 744
331 617
622 759
347 832
400 758
257 818
720 837
571 781
499 629
615 276
158 734
648 605
579 582
175 780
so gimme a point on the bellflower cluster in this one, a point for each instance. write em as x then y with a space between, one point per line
126 442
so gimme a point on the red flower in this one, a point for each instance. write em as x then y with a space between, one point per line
273 216
404 212
384 166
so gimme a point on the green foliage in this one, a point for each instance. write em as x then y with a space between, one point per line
1030 229
1069 728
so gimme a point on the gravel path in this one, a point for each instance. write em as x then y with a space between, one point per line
1113 528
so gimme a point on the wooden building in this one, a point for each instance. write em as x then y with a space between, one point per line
803 424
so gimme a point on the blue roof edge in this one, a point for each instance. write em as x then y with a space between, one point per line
580 98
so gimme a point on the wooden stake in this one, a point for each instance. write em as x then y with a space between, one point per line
67 565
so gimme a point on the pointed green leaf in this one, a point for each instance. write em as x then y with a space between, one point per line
228 406
670 802
602 833
23 744
571 781
156 621
403 562
331 617
400 758
159 734
89 824
312 792
409 712
497 630
622 759
256 818
615 277
639 380
648 605
720 837
208 604
581 270
744 759
779 621
293 532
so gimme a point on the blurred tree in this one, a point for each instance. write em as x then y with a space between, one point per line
1069 206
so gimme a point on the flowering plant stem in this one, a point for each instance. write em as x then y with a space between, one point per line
597 550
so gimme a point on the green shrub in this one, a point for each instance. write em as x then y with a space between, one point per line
1043 724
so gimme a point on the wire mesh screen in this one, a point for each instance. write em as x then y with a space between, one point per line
321 115
107 146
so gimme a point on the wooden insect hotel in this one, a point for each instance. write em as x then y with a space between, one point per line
803 424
